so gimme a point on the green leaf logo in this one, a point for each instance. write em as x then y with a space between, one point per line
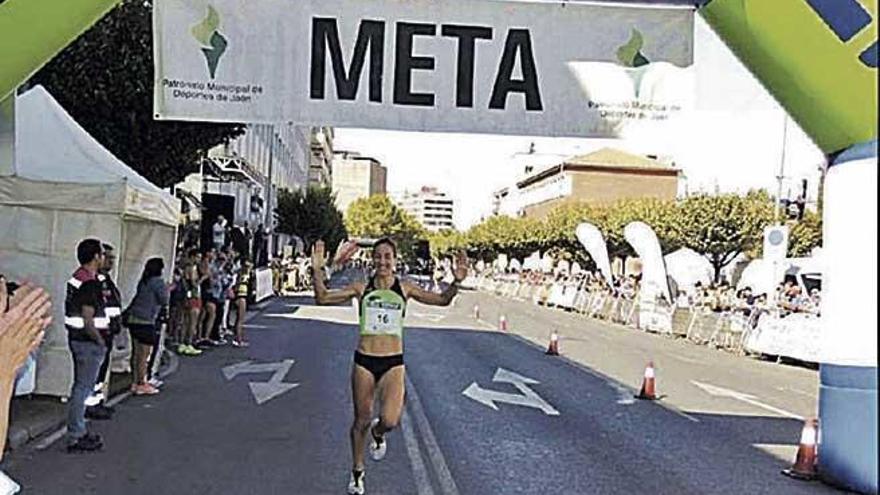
213 43
630 54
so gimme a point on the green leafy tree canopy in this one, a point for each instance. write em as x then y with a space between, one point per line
311 214
723 226
376 216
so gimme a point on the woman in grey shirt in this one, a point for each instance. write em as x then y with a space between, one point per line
141 319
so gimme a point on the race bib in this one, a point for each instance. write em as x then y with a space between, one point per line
383 320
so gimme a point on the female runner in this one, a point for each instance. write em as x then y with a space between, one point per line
378 360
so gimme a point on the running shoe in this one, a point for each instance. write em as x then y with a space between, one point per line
156 382
356 482
94 399
192 351
377 445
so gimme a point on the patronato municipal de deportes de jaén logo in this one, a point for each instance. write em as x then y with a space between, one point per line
213 43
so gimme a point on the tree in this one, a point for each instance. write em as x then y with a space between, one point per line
805 235
721 227
311 214
377 216
660 214
105 79
446 242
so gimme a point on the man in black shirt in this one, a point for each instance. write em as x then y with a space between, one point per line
85 320
96 407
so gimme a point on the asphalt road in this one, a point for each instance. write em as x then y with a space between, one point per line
565 425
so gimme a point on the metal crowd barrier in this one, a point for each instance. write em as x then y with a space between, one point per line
725 330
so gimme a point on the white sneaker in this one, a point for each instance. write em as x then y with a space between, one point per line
356 483
156 382
377 446
94 399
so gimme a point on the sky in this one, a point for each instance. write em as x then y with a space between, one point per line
732 141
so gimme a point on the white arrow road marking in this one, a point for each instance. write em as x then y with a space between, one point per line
624 395
528 398
263 391
717 391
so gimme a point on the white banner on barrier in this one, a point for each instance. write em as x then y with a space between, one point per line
796 336
500 67
263 288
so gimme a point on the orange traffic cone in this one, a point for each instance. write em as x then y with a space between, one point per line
647 391
502 323
476 311
804 467
553 348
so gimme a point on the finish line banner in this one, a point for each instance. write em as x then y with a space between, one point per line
485 66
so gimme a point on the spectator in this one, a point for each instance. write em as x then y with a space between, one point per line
261 246
142 320
248 250
218 233
177 306
794 301
96 407
85 320
761 307
242 286
192 305
23 319
815 302
210 292
225 277
240 241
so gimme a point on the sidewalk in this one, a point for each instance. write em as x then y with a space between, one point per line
31 417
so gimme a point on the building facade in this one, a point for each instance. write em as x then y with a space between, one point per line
321 157
255 166
430 207
241 180
355 177
601 177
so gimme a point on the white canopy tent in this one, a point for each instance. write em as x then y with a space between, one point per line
62 187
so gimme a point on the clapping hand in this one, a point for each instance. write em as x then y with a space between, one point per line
22 328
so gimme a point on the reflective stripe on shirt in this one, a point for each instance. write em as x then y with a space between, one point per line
78 322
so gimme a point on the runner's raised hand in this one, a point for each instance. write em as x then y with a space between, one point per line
318 255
